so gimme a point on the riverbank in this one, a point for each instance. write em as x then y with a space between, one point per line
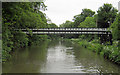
110 52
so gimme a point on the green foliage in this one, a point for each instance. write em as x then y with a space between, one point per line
81 17
106 15
20 39
112 53
37 39
67 24
84 44
89 22
7 43
115 27
52 25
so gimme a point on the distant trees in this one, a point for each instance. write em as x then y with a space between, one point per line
89 22
106 15
52 25
67 24
78 19
81 17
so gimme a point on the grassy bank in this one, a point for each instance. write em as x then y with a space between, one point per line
110 52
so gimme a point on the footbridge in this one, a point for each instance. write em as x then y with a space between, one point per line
66 31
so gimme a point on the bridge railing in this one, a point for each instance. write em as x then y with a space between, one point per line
68 33
97 29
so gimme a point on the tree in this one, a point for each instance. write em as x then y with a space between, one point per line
52 25
106 15
67 24
81 17
89 22
115 27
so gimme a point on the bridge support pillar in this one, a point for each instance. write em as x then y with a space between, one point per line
110 39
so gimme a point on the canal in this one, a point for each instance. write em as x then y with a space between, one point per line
57 57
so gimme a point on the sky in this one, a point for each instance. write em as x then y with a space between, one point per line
61 10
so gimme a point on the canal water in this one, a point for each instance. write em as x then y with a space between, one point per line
57 57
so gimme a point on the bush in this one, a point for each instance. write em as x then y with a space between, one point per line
83 43
112 53
20 39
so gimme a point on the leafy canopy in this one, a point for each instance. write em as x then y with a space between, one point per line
88 23
106 15
81 17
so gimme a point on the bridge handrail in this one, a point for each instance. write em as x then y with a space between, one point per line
101 29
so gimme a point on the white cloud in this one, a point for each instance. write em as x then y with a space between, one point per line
61 10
